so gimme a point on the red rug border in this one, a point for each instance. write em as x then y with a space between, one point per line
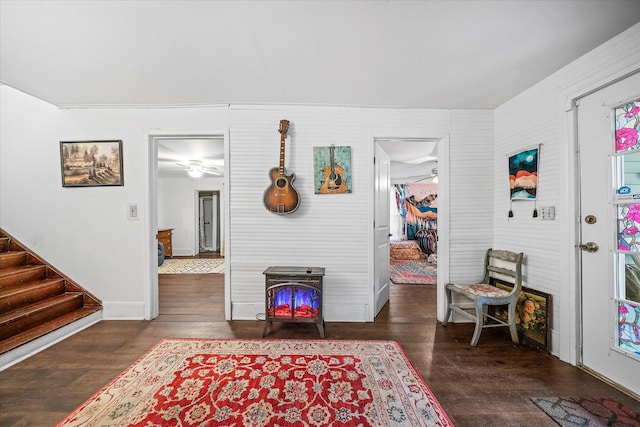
408 361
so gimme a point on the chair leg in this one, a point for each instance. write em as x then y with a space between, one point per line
479 323
447 293
512 323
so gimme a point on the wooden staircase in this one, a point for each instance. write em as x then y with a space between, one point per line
35 298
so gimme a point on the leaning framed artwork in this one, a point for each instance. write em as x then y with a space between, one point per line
533 314
91 163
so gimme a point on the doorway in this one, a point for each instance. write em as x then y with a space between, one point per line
609 252
411 160
187 162
208 221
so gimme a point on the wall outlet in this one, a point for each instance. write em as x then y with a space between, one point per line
548 212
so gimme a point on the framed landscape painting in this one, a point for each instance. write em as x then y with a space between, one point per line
91 163
533 314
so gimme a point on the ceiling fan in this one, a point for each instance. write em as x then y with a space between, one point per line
196 169
434 175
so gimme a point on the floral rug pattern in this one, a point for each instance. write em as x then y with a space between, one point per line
232 382
413 272
192 266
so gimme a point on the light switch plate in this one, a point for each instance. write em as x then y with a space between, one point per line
548 212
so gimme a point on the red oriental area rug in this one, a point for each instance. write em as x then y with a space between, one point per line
229 382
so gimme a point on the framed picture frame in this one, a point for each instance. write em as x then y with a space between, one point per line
91 163
533 314
332 170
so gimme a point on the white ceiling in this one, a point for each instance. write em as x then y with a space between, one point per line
423 54
407 54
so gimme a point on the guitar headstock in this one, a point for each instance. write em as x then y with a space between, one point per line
284 127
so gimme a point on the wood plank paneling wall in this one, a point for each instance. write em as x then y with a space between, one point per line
541 115
334 231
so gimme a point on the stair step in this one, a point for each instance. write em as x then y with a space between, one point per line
22 319
16 275
37 299
12 298
16 341
13 258
4 244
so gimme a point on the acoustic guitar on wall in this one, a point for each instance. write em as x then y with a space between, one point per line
333 176
281 197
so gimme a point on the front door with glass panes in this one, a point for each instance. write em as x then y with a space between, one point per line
609 152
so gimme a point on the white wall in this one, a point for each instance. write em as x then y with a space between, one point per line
85 231
539 116
178 209
334 231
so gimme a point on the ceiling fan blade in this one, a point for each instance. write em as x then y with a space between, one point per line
212 172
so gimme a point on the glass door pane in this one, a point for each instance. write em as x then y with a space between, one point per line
627 174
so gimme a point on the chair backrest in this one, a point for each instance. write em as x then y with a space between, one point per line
500 263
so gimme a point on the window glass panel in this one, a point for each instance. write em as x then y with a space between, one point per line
627 179
629 227
630 286
627 119
630 172
629 322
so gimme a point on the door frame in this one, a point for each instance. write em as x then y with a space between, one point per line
443 216
151 300
215 226
571 310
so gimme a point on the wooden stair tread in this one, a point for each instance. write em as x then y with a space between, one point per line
14 297
22 274
11 290
43 329
12 258
31 309
8 271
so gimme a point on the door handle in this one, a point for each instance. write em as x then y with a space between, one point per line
589 247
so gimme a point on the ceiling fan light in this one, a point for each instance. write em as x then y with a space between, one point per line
194 173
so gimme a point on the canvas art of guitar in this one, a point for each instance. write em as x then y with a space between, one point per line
333 176
281 197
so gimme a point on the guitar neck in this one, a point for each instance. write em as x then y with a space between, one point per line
332 161
281 167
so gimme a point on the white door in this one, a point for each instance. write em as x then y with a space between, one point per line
382 182
209 232
609 150
206 231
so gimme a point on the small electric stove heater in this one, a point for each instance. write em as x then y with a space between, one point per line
293 294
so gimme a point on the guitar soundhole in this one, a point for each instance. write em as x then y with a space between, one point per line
281 183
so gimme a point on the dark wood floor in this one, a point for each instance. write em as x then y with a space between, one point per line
487 385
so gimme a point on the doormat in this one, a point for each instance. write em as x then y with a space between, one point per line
587 412
239 382
192 266
413 272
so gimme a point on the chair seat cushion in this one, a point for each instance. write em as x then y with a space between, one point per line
479 290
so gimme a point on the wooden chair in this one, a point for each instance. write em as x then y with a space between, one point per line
500 264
